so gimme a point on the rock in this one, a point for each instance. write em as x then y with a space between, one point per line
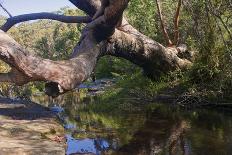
27 128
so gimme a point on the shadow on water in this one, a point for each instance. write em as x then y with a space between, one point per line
23 110
87 145
161 129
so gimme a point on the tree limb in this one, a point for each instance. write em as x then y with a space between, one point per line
154 58
104 25
67 74
165 33
43 15
176 23
9 14
88 6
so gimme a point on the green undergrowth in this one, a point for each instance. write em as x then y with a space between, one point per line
211 83
132 93
135 92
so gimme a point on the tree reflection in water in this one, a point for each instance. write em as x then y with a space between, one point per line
163 130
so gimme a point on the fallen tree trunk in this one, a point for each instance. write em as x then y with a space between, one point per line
65 75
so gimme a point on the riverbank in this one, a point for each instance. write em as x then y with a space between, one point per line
29 128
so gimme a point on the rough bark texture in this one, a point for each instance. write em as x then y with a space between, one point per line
153 57
65 75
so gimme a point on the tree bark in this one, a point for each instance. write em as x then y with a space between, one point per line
65 75
154 58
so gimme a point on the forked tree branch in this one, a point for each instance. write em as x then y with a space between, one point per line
164 30
176 23
43 15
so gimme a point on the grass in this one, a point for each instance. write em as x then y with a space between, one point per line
130 94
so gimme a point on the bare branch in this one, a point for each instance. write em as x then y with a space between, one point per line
176 23
88 6
43 15
165 33
9 14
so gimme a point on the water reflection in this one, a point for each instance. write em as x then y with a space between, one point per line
85 146
161 130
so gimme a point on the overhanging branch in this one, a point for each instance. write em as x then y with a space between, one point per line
88 6
43 15
65 75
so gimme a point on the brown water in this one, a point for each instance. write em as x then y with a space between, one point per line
161 129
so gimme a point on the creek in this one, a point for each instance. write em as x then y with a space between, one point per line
159 129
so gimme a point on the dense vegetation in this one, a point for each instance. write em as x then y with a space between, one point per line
205 26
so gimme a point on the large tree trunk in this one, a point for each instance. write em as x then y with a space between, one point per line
124 41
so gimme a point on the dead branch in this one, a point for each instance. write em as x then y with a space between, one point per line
9 14
43 15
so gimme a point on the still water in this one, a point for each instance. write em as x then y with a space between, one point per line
159 129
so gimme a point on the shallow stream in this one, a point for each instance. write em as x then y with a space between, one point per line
161 129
